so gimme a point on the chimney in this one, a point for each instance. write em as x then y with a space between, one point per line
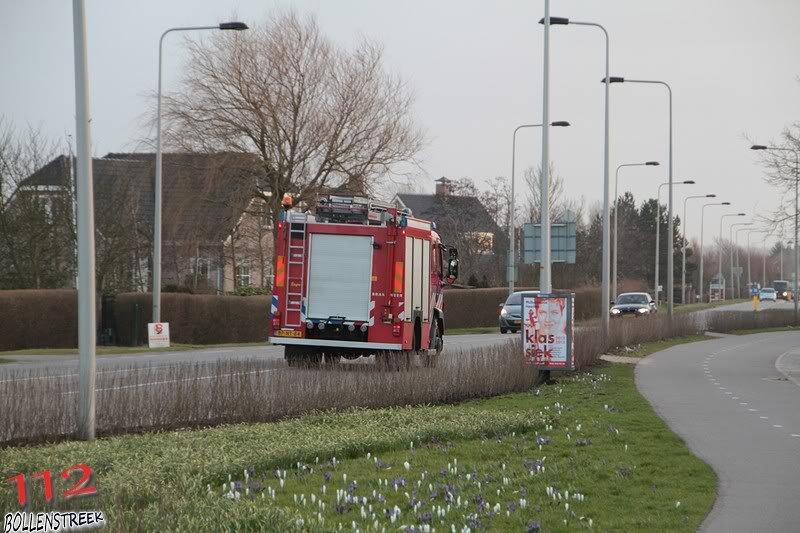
443 187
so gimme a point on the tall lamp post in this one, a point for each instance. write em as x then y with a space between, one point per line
749 254
738 262
658 229
787 243
702 227
683 268
87 338
670 237
616 216
796 230
721 219
236 26
606 274
511 228
734 245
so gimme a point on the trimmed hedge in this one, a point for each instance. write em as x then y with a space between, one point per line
38 318
195 318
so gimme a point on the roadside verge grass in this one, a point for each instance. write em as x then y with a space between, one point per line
127 350
646 348
587 448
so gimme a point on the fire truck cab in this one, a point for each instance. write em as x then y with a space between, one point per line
358 277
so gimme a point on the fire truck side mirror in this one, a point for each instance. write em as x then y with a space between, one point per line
452 266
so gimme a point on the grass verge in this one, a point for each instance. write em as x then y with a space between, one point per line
585 453
473 331
646 348
763 330
127 350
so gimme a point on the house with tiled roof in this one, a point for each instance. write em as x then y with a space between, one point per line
215 237
463 222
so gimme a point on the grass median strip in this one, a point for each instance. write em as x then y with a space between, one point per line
646 348
585 453
128 350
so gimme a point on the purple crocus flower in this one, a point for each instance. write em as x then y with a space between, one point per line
534 526
327 476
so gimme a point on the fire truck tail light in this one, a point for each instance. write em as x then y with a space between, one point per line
397 286
276 322
396 330
280 271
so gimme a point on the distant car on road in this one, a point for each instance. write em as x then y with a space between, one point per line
633 303
768 293
511 312
782 289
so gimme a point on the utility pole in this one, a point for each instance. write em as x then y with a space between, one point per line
86 274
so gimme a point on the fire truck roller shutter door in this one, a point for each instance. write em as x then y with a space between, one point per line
408 295
340 276
417 300
426 279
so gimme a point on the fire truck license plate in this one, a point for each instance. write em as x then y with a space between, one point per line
289 333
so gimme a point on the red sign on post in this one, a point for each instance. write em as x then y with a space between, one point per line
547 331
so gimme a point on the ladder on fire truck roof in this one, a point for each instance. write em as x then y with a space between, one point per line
295 269
355 209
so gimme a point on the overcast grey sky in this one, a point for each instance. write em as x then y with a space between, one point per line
476 69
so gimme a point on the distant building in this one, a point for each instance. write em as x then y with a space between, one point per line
215 235
463 222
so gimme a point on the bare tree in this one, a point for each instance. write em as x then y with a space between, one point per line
559 205
318 117
781 172
37 235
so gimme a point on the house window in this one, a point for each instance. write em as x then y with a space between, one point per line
200 267
243 275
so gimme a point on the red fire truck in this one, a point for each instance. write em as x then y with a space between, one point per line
358 277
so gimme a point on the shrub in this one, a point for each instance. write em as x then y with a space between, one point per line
39 318
725 321
229 391
195 318
252 291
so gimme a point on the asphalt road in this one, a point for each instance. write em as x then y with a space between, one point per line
272 355
736 402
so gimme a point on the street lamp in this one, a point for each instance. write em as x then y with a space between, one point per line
702 227
658 229
670 237
738 263
606 275
788 242
683 269
734 245
511 228
616 216
796 231
719 272
749 253
235 26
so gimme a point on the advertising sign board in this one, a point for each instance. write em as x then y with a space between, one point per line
158 335
547 332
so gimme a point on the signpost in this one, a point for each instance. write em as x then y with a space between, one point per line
158 335
562 242
548 334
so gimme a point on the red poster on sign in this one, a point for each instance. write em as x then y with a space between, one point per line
547 331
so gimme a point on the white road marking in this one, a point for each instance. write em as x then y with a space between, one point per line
177 381
728 392
742 403
753 410
777 426
764 417
795 435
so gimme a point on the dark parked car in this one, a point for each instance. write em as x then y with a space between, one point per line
511 312
633 303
